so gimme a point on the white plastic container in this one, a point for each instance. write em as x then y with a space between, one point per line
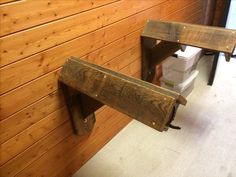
179 69
184 88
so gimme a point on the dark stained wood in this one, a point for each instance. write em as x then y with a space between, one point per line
154 54
210 10
82 122
212 38
33 87
149 104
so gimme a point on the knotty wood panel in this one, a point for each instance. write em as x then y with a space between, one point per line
30 99
9 150
23 160
19 45
30 135
48 83
45 61
13 19
30 115
35 112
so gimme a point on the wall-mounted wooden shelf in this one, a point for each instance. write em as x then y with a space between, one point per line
87 87
161 39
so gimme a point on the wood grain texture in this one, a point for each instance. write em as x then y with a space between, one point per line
31 135
28 80
112 122
45 61
191 8
212 38
27 134
7 1
58 32
121 92
18 163
40 109
30 115
13 19
30 92
48 83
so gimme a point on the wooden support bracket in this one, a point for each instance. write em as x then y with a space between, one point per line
87 87
161 39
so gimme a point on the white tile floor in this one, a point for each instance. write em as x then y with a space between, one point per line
204 147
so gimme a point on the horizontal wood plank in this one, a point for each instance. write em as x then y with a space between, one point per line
14 19
212 38
27 156
20 45
26 78
35 112
45 61
106 126
176 6
190 9
81 157
18 163
25 95
31 135
48 60
30 115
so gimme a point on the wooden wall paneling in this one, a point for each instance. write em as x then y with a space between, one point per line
7 1
88 151
124 59
21 161
42 86
48 60
35 112
30 115
132 68
137 74
171 6
197 17
116 48
8 167
74 143
31 135
189 10
81 158
106 126
108 36
26 43
21 97
14 19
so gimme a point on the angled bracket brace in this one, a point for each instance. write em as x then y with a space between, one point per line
87 87
81 109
